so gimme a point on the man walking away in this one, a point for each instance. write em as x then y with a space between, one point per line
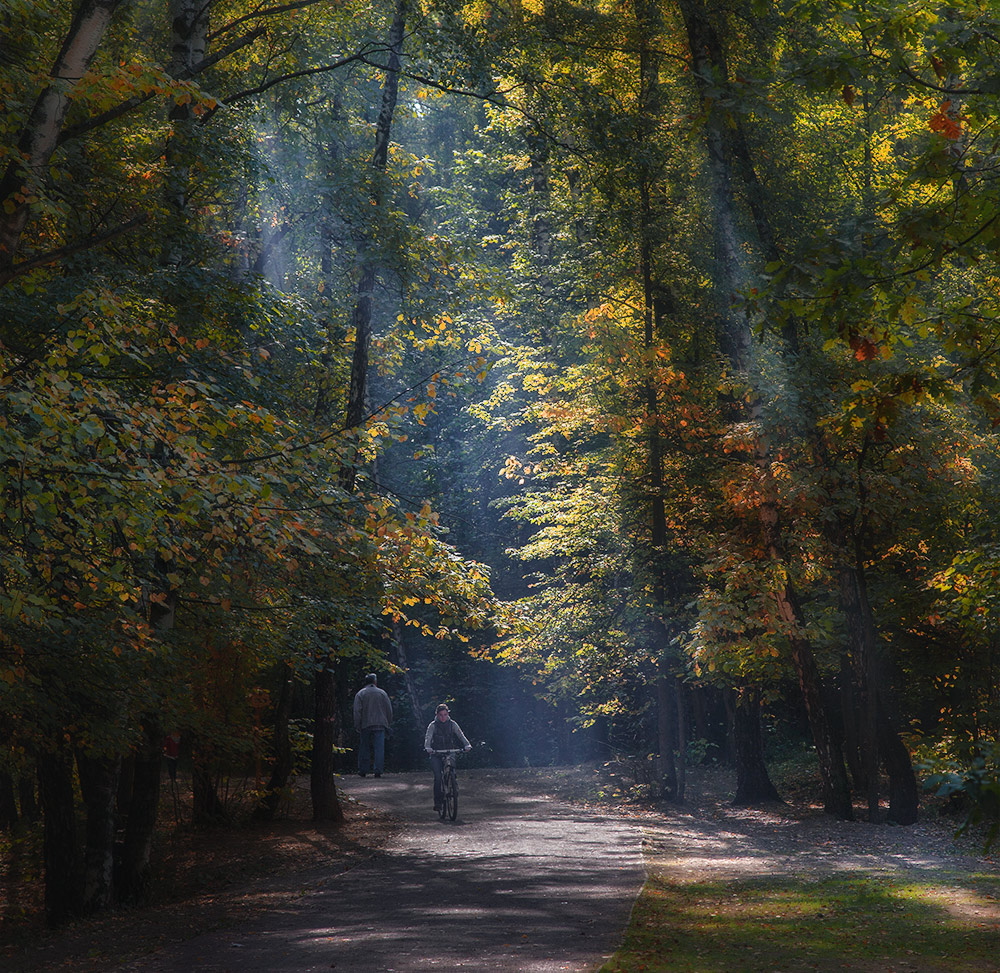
372 717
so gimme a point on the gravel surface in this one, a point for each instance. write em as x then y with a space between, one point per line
708 835
521 882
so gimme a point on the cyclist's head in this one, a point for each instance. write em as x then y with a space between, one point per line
442 708
371 679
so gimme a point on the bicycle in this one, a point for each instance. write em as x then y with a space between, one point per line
449 781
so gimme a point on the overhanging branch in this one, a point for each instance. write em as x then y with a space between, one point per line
53 256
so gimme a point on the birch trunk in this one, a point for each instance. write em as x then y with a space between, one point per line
40 135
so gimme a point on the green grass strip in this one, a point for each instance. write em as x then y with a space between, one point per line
857 921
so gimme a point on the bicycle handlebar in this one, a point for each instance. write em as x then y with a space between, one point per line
454 750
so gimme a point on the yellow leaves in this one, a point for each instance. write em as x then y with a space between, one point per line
595 314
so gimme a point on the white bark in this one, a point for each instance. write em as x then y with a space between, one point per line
41 132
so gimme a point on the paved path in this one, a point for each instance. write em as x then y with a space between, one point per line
518 883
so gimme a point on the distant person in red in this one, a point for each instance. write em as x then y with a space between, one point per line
443 733
372 717
172 750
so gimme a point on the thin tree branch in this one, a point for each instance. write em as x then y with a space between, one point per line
337 433
88 125
495 97
257 14
306 72
42 259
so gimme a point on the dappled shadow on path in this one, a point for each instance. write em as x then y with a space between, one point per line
716 840
518 883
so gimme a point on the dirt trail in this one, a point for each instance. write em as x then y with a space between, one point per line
531 878
520 882
708 839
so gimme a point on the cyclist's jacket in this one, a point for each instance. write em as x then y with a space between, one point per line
444 736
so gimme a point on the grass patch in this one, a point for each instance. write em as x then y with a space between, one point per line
857 922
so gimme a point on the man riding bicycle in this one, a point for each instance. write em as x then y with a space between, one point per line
443 733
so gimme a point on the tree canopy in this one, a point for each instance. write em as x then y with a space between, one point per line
628 370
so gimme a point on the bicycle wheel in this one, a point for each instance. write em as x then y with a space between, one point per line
451 794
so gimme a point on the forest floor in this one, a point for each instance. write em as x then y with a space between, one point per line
706 860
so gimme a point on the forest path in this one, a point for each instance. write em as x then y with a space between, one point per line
520 882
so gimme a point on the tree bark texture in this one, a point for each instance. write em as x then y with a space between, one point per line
666 727
879 723
848 695
189 39
362 315
671 726
419 714
207 808
281 769
323 788
99 784
753 783
60 846
8 803
143 805
40 135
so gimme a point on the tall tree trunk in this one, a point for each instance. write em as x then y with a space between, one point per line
281 769
362 315
850 706
99 784
324 792
143 804
61 852
682 736
207 808
419 714
40 134
27 796
323 787
670 727
881 745
753 783
188 44
734 337
8 803
540 214
665 732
